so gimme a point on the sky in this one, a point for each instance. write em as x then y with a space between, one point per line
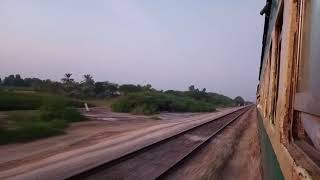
170 44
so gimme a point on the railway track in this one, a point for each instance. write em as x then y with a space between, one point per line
159 159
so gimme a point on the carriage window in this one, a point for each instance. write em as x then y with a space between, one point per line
307 97
276 62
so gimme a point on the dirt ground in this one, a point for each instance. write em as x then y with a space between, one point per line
245 162
233 154
103 125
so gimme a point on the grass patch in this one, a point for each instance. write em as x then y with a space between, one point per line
10 101
149 103
16 88
53 117
101 102
26 126
58 108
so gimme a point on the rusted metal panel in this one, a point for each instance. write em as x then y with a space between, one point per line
279 134
311 125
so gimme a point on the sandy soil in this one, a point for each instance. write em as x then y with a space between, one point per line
246 160
103 125
224 155
77 135
148 165
103 129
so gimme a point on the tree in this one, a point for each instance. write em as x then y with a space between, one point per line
68 83
192 88
88 79
99 88
18 81
112 88
129 88
105 89
9 80
67 78
239 101
87 86
147 87
30 81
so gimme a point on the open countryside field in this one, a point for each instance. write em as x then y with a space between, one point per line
139 90
37 126
32 108
102 126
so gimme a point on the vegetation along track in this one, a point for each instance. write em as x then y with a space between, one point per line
157 160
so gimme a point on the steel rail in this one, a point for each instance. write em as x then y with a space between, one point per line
187 155
197 148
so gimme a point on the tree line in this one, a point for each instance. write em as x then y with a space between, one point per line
89 88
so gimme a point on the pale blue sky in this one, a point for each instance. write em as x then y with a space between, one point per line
167 43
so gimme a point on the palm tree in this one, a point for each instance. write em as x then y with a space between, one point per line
88 79
87 85
68 83
67 78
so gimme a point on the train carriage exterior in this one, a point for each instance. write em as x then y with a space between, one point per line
288 94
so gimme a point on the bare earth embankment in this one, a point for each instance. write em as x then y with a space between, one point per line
231 151
246 160
78 135
233 154
102 126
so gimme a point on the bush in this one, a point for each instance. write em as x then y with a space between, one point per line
26 131
57 108
215 99
19 101
72 115
144 109
191 105
10 101
153 102
52 118
26 125
122 105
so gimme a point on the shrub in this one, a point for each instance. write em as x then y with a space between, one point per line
153 102
19 101
27 125
10 101
57 108
26 131
52 118
122 105
52 108
144 109
72 115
